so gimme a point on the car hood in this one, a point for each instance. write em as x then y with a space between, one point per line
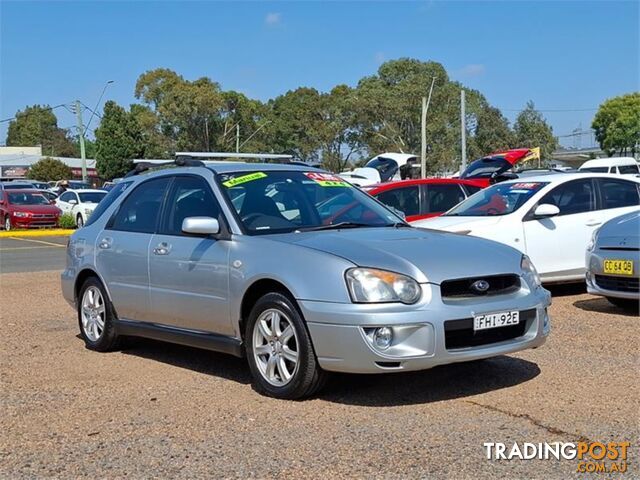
35 208
425 255
622 231
457 224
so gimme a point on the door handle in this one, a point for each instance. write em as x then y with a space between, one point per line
593 223
162 249
105 244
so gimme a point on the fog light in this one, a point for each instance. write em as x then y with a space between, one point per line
382 337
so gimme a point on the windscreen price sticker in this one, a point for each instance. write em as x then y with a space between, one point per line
326 179
244 179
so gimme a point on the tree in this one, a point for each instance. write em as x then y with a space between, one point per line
48 169
491 133
119 140
617 124
531 130
37 125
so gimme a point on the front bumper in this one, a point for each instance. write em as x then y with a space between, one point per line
338 331
595 266
33 222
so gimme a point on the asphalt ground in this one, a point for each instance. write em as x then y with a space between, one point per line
32 254
159 410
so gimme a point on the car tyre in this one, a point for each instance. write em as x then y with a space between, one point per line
271 345
7 223
79 221
96 317
626 303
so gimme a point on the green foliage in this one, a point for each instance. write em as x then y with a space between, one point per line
49 169
38 125
531 130
66 220
119 141
617 124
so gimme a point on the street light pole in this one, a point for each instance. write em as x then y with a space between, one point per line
83 154
463 128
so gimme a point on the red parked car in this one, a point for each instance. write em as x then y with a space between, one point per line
27 209
424 198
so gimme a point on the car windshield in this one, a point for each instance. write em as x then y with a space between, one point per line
286 201
501 199
387 167
27 198
17 186
484 167
91 197
79 185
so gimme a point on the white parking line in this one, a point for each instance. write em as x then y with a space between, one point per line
37 241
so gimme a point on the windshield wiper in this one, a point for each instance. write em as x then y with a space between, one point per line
335 226
399 225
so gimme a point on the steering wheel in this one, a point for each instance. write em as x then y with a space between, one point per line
492 211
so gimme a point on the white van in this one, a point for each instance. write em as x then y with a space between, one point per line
617 165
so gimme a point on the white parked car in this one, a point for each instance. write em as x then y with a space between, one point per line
80 203
385 167
616 165
550 218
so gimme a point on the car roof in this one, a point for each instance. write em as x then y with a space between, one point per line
556 178
85 190
607 162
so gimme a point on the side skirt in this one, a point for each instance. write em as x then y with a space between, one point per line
204 340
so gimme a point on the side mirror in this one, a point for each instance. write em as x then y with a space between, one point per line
546 210
73 201
201 226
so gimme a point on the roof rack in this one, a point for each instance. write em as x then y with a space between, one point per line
178 162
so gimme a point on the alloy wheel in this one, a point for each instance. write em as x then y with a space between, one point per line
7 224
275 347
93 313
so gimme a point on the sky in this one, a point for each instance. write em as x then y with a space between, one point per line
565 56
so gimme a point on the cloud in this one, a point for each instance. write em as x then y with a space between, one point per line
272 19
473 70
380 57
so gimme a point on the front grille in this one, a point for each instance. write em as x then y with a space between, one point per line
42 215
460 333
618 284
462 287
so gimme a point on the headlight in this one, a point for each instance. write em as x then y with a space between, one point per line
367 285
594 238
527 267
20 214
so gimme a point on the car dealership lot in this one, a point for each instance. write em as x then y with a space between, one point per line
163 410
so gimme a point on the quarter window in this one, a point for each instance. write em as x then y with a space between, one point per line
406 200
572 197
189 197
140 210
618 193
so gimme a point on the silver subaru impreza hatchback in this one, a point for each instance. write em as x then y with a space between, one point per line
297 270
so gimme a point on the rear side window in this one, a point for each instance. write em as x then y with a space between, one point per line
139 212
189 197
628 169
441 198
572 197
107 201
406 200
618 193
471 189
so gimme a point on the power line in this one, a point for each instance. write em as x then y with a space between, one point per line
547 110
29 113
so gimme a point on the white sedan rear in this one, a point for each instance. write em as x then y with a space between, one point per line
550 218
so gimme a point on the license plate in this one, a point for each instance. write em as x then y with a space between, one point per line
618 267
495 320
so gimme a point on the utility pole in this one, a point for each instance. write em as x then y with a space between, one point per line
238 138
423 152
83 154
463 127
